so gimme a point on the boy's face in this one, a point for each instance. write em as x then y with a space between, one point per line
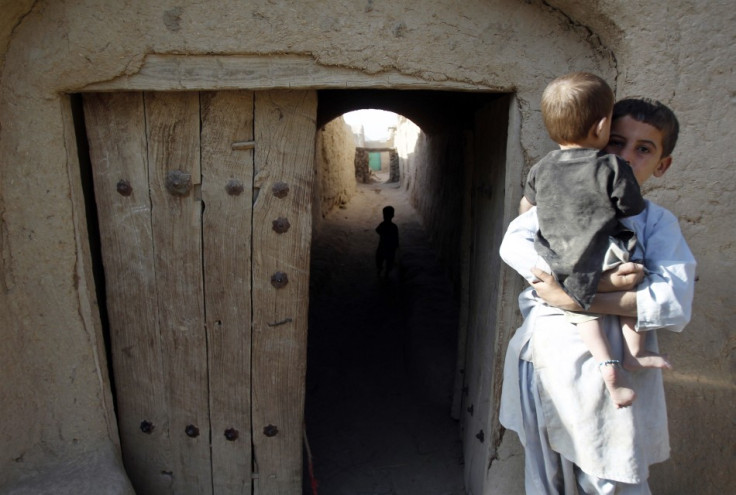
639 144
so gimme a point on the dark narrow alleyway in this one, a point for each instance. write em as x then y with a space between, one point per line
381 358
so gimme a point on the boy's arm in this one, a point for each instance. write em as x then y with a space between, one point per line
622 302
517 250
665 296
517 247
663 299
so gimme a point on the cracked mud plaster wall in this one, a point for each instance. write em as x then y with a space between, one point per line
55 394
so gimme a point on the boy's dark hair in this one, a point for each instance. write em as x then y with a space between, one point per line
573 103
654 113
388 212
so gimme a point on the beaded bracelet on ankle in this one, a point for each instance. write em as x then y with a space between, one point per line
610 362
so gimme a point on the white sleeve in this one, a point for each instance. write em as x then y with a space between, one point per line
517 248
664 298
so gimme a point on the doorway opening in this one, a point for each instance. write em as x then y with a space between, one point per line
429 324
386 355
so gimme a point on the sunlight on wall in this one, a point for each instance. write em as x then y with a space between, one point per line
405 140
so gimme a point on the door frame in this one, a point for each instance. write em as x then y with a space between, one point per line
217 73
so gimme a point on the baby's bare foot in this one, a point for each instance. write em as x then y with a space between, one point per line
646 359
617 384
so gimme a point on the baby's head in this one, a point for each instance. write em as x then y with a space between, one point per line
573 104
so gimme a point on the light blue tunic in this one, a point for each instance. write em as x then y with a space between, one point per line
581 421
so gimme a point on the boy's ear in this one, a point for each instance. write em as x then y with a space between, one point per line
663 166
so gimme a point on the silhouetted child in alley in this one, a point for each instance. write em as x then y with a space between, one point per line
388 243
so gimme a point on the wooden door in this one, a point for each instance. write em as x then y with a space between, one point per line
204 205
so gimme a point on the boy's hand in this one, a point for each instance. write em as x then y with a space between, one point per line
552 292
625 276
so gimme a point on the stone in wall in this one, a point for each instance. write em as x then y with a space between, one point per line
394 174
362 170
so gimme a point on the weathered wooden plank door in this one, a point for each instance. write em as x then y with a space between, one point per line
118 149
282 229
205 244
227 194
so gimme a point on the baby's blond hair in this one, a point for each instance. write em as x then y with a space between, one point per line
573 103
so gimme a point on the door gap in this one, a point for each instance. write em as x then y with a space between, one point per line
93 232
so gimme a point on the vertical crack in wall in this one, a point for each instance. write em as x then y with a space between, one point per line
6 253
589 35
11 33
22 18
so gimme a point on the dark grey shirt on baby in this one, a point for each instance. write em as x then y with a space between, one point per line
580 194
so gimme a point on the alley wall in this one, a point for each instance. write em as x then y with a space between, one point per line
334 169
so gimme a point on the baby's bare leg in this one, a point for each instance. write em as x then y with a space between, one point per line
635 355
614 376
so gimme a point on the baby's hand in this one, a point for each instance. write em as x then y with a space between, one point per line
625 276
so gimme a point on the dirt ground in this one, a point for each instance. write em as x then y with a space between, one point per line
381 358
